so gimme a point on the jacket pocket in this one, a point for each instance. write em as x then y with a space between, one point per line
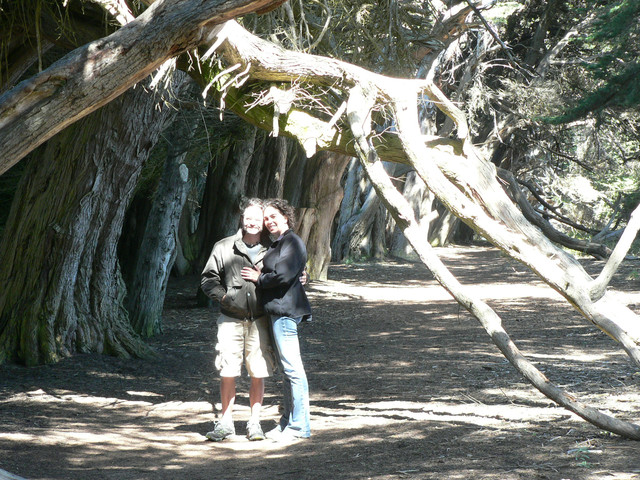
234 302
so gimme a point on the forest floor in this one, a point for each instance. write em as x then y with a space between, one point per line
404 385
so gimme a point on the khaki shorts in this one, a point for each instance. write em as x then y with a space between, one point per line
244 337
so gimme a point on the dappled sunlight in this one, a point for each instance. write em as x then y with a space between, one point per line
373 291
353 415
40 396
163 430
579 355
404 383
143 394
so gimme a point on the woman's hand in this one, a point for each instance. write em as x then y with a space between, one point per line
250 274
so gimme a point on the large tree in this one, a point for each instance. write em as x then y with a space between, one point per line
156 254
62 288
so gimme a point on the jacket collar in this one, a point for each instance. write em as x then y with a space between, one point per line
242 247
283 235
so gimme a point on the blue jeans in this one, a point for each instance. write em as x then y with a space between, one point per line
295 417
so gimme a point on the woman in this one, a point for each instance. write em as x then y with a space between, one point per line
286 302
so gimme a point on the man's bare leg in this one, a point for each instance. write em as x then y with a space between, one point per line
256 397
227 398
224 428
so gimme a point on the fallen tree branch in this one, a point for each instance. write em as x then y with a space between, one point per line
452 169
359 105
91 76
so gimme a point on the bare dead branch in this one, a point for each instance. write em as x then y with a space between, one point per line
459 177
557 216
512 60
360 105
599 285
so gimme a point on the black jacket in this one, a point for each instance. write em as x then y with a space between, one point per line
221 276
279 283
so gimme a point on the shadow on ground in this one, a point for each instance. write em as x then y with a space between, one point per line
405 384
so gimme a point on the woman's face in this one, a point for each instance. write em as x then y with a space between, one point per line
275 221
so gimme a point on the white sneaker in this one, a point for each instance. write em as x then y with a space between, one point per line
275 433
254 431
289 437
221 431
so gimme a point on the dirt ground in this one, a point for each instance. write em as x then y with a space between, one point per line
404 385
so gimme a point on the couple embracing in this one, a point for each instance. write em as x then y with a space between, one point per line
257 282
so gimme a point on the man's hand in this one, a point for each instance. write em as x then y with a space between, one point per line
304 278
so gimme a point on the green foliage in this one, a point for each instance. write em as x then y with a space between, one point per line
613 43
381 36
581 455
619 20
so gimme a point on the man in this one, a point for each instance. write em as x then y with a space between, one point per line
242 326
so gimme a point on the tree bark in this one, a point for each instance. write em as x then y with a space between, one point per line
321 200
361 227
348 207
422 203
228 178
145 299
268 168
226 220
352 230
62 289
93 75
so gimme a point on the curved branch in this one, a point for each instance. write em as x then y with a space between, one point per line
272 63
461 179
93 75
554 210
360 103
596 249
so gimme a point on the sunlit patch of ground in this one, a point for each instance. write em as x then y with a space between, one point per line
404 385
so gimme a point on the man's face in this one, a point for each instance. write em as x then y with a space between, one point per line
252 220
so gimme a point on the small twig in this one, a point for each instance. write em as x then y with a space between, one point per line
493 33
553 209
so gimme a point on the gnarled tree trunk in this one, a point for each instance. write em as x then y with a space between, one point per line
321 201
360 229
62 289
157 252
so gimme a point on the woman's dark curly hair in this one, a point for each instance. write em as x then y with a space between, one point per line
284 208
